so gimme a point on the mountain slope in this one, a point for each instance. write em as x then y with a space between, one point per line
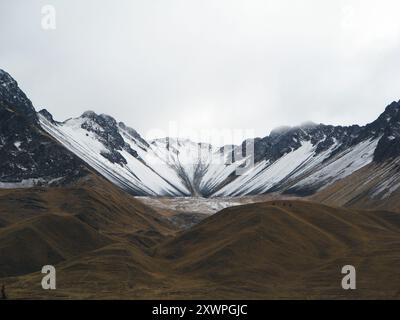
375 186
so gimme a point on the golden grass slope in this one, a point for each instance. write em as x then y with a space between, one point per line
42 226
272 250
292 249
24 247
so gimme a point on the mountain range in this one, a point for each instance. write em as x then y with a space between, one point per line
37 150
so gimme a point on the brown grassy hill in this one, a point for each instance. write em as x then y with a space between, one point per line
273 250
93 200
47 239
286 249
42 226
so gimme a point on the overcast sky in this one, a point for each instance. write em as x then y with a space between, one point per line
249 64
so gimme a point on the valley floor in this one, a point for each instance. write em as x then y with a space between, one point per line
186 212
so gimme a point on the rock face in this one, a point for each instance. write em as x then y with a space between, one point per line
297 160
281 142
387 126
106 130
13 98
28 155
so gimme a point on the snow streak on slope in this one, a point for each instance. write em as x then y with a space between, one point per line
149 155
342 165
186 157
265 174
202 166
302 169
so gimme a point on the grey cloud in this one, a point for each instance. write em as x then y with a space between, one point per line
219 63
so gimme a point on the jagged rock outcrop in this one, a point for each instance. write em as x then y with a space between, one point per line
28 155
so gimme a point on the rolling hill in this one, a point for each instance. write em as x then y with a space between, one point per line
273 250
48 225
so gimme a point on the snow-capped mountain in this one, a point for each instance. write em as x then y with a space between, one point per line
167 167
117 152
293 160
299 160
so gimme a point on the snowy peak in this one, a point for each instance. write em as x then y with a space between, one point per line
388 127
134 135
388 119
106 130
12 97
117 152
47 115
388 122
287 139
391 111
182 146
